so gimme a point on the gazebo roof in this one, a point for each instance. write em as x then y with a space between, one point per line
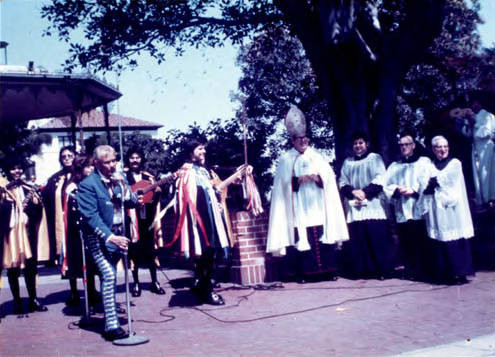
27 95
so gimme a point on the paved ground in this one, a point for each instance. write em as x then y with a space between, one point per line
342 318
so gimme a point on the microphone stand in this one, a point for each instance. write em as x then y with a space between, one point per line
132 339
86 319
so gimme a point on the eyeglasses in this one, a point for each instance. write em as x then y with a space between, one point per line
301 138
405 144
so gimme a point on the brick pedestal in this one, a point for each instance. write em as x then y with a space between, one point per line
248 265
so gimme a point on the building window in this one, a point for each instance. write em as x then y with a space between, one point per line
64 140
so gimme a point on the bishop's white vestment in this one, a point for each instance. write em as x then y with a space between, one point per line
310 206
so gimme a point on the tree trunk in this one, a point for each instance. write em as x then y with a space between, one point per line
343 69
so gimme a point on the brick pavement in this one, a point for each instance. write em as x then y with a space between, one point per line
342 318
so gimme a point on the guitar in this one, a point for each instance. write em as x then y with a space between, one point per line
241 170
146 189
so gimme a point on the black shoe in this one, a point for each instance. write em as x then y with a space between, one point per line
35 305
136 290
115 334
457 280
214 299
157 289
73 300
18 308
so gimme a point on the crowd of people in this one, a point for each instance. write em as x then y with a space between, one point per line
321 226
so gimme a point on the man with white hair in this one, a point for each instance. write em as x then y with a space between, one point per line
100 198
405 179
306 216
448 219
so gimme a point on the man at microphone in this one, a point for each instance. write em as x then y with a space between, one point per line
100 200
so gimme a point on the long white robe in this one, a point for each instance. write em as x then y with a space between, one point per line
310 206
447 211
483 133
359 174
410 174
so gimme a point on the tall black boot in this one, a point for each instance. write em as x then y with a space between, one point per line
136 289
13 277
30 279
155 285
74 299
205 283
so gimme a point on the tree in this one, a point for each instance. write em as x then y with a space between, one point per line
451 70
276 74
17 141
360 51
154 149
224 150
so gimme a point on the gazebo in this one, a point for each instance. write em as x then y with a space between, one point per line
28 94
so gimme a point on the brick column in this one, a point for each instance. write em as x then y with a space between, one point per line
248 264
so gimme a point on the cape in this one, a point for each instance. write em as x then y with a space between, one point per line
281 224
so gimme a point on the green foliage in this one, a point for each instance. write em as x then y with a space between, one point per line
455 66
156 156
17 141
117 31
275 74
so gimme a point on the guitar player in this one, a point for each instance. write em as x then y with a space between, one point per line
202 229
142 250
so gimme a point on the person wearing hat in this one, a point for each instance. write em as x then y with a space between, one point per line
370 251
202 224
143 240
25 240
306 221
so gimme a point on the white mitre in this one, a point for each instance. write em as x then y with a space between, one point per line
295 122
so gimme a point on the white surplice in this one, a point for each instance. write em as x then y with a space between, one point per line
410 174
447 211
359 173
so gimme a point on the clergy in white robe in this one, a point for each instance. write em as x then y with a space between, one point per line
404 180
482 131
370 252
448 218
306 215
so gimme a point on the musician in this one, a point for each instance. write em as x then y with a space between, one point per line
144 241
25 240
53 198
201 227
100 199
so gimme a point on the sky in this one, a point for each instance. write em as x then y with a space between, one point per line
193 88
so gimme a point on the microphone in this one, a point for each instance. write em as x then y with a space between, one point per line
117 178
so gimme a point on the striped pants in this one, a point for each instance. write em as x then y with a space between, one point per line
106 259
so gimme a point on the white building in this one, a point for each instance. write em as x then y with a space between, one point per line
93 123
